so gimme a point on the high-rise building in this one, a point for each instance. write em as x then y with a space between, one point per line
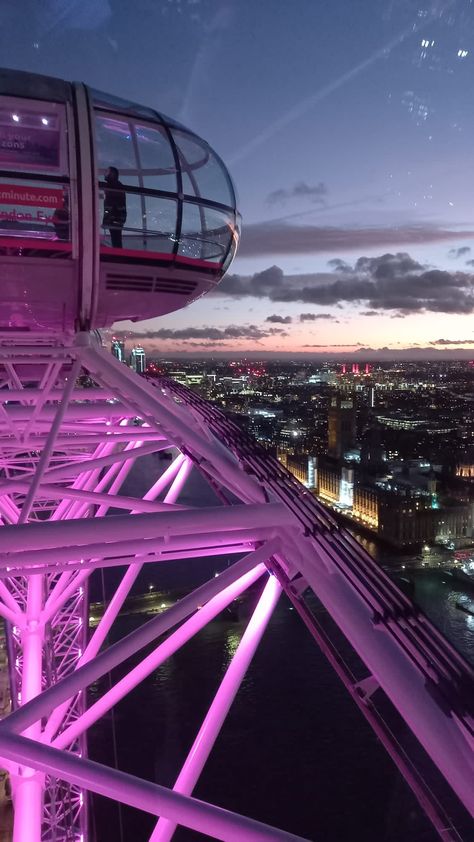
118 349
138 359
341 425
372 452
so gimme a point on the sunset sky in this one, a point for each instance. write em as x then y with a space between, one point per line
348 128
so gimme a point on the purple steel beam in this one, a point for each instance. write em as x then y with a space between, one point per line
74 439
28 784
74 414
221 703
90 480
7 598
84 480
70 558
121 474
14 431
181 467
389 646
443 736
32 395
115 531
12 616
29 788
143 795
67 592
361 694
47 491
64 510
165 554
45 387
87 464
154 660
8 509
43 704
140 398
49 444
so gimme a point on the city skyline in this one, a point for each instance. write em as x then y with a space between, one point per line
347 131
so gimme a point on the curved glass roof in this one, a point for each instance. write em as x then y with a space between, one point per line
116 103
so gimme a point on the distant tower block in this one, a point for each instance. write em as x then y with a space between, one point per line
118 349
138 360
341 425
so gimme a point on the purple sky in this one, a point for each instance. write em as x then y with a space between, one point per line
347 127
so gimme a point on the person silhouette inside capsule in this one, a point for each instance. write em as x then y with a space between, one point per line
115 206
60 219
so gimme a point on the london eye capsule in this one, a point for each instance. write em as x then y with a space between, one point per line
108 209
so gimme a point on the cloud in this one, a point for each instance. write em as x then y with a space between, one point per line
312 317
469 262
452 342
460 252
388 282
204 334
370 313
315 193
280 237
279 320
340 265
330 345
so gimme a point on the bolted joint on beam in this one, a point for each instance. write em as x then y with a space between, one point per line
366 688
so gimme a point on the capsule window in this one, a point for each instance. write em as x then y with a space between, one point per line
115 148
156 159
148 223
160 224
206 234
203 173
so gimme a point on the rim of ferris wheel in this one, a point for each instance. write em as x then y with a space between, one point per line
70 438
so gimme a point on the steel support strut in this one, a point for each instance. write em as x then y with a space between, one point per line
220 706
84 426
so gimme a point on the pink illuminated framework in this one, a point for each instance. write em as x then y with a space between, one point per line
74 421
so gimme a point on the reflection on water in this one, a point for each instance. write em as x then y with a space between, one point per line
436 590
231 643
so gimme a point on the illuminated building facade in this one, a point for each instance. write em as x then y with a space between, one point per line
329 482
138 360
401 514
304 468
465 470
118 349
366 505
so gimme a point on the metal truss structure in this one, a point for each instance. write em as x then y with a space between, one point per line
73 423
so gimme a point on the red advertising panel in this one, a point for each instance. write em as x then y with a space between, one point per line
18 194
